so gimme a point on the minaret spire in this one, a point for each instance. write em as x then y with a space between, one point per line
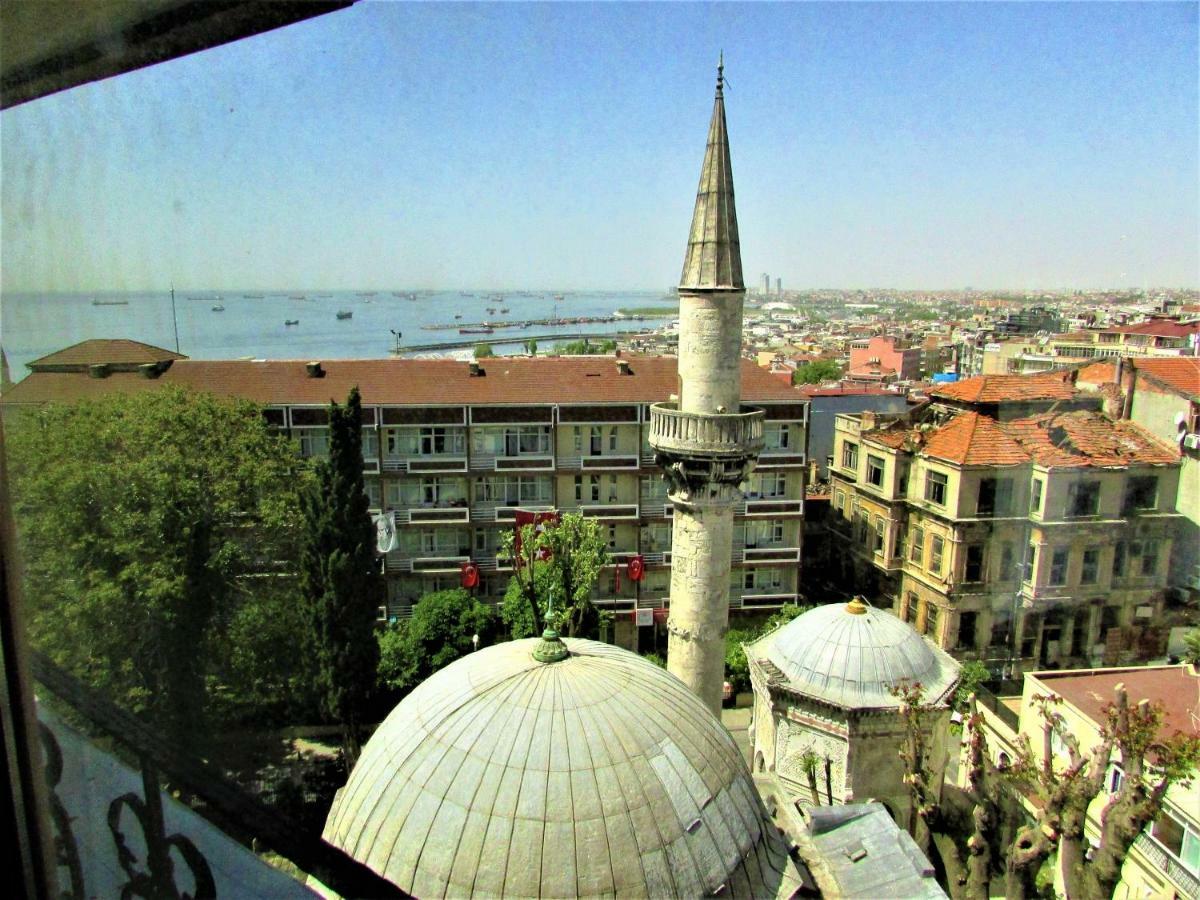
714 257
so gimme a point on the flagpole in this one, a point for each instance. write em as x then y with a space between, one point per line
174 318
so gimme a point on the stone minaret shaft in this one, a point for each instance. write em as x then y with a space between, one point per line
707 443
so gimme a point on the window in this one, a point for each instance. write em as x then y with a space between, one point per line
768 484
777 436
933 617
1035 497
313 441
1079 632
370 444
577 433
578 488
1083 499
1141 492
1180 839
877 540
974 567
935 488
1006 562
862 524
594 488
595 440
995 497
374 493
966 630
1119 551
850 455
1029 635
916 549
936 547
612 488
1030 562
1110 617
910 608
526 439
513 490
612 439
612 537
875 470
435 441
1058 565
839 500
1090 573
999 633
1147 555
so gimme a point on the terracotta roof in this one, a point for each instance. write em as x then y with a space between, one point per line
1158 328
408 382
813 390
1087 438
1179 372
114 351
1175 687
1008 388
970 439
1097 373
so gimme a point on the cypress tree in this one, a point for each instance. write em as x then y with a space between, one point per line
340 580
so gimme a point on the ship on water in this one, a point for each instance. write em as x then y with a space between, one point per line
345 313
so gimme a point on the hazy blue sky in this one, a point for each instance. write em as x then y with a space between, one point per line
558 146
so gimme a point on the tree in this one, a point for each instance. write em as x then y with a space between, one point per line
341 586
558 564
737 667
150 525
817 372
1191 647
531 347
439 631
484 351
585 347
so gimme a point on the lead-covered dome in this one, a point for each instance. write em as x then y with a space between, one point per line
596 774
852 655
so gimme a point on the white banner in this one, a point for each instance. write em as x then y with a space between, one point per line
643 617
385 533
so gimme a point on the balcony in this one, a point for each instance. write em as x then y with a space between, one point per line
505 513
770 507
753 599
1184 881
597 462
780 459
451 512
607 511
658 508
422 562
752 555
494 564
657 558
734 435
521 462
425 464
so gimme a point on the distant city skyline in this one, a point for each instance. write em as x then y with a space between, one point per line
552 147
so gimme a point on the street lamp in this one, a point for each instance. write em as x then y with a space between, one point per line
475 642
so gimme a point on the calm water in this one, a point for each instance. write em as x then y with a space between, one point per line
32 325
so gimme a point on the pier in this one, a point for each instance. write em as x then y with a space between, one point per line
400 350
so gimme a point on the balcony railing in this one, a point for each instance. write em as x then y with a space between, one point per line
607 511
770 506
449 513
742 599
781 459
658 509
425 464
721 434
434 562
494 512
1187 884
766 554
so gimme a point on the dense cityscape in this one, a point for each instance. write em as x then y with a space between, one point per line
738 589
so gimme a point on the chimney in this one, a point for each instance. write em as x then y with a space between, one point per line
623 367
314 369
867 421
149 370
98 370
476 370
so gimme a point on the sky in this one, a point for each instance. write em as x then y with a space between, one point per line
558 146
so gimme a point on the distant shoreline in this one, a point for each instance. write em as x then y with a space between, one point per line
649 312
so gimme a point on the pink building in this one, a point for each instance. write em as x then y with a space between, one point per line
883 352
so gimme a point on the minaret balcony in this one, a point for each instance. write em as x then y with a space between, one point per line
706 435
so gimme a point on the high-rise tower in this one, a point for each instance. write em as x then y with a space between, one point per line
706 443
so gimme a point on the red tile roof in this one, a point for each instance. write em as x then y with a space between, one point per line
970 439
1175 687
408 382
1158 328
114 351
1097 373
1179 372
1008 388
1086 438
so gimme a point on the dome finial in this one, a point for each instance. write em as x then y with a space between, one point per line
857 606
550 648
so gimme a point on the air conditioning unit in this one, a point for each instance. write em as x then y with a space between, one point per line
1191 441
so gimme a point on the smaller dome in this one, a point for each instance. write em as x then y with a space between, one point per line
852 655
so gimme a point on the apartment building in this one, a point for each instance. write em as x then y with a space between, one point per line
1024 540
453 449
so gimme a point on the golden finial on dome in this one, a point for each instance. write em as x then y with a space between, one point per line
857 607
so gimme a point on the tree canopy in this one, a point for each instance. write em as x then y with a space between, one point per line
817 372
439 631
152 527
341 585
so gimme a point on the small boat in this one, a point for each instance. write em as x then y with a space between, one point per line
504 309
291 322
218 308
297 297
253 296
559 297
96 302
491 310
366 293
476 330
458 315
345 313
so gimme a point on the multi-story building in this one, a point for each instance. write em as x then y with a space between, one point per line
453 449
1025 541
1158 336
883 353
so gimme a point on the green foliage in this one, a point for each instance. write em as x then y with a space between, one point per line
584 347
439 632
341 586
154 528
972 675
783 615
484 351
515 611
737 667
1191 647
657 658
557 570
817 372
531 347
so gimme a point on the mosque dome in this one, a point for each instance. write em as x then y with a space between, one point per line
593 772
852 655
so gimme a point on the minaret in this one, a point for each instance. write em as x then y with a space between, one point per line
707 442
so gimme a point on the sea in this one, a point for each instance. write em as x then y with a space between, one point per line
252 324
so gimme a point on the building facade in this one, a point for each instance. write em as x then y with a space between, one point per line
452 449
1022 542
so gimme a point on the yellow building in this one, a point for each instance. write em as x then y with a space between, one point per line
1024 542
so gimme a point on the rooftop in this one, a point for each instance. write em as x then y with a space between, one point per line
1181 373
971 439
405 382
1008 388
109 351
